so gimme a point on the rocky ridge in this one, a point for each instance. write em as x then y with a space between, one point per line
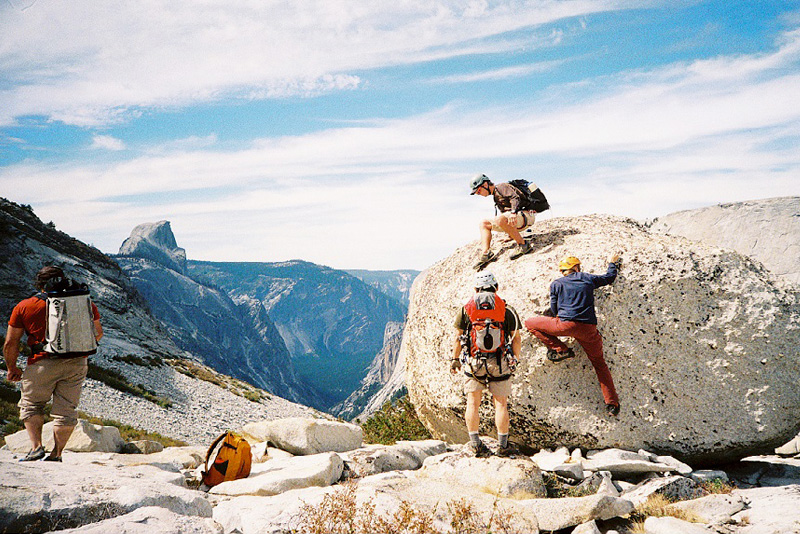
236 339
766 230
683 323
433 482
135 344
333 324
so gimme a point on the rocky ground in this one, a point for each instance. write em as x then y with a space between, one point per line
334 483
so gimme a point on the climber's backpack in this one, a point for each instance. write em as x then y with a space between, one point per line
232 459
486 336
69 331
533 198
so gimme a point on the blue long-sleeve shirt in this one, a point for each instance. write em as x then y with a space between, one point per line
572 297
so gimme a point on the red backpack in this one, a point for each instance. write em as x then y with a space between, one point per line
486 312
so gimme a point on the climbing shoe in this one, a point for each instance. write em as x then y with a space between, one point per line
508 450
52 459
36 454
555 356
521 250
485 260
480 450
612 409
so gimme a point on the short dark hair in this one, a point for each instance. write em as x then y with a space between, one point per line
47 273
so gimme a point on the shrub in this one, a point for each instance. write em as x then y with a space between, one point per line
717 485
393 422
341 513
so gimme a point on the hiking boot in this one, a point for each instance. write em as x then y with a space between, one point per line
555 356
480 450
36 454
522 249
508 450
612 409
485 259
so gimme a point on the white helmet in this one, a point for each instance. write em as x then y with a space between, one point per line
485 280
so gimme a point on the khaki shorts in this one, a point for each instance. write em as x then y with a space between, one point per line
61 379
524 220
498 388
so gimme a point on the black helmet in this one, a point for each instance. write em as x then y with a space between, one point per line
477 181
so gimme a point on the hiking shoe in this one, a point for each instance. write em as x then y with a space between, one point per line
484 259
555 356
52 459
480 450
612 409
36 454
508 450
522 249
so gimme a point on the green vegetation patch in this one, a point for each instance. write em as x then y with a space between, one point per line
117 381
130 433
395 421
234 385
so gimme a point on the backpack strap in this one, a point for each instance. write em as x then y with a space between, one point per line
211 449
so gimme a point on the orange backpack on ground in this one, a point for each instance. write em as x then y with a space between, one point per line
232 460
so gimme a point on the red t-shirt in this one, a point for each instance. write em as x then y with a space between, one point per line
31 316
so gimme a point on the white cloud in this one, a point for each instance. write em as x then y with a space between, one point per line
516 71
107 142
392 193
90 63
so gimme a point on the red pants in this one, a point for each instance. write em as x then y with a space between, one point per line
547 328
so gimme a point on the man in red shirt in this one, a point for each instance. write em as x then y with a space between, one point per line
45 376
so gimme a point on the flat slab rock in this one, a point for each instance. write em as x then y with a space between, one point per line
701 343
41 496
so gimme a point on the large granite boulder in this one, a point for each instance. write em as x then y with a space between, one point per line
702 344
766 230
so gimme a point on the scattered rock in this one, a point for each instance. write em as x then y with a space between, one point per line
278 476
789 449
672 525
509 477
42 496
715 509
556 514
143 446
150 520
374 459
587 528
675 487
305 435
769 510
622 463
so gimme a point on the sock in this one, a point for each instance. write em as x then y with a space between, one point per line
473 437
503 439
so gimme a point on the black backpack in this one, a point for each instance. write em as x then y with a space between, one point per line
532 196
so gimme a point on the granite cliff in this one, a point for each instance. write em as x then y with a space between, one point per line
136 347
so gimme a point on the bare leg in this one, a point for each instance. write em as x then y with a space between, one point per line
61 436
33 425
472 413
486 236
501 419
511 230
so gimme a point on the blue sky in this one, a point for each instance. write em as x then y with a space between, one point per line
345 133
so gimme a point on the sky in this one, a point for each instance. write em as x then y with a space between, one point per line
345 132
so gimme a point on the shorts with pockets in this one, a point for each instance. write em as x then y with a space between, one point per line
58 378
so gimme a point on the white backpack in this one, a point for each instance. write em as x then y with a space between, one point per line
70 322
